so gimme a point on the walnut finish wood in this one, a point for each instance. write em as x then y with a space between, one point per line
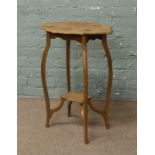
81 32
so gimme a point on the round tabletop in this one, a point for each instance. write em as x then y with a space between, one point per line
77 28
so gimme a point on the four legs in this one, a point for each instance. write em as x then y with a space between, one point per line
86 102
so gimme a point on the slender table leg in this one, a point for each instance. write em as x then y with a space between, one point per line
109 86
43 77
85 80
68 73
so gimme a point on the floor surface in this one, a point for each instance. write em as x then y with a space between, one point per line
65 135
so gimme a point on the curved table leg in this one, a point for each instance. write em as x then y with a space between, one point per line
62 100
94 108
49 112
43 76
85 80
109 86
68 73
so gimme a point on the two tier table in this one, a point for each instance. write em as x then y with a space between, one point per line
81 32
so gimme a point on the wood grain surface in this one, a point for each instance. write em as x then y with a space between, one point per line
79 28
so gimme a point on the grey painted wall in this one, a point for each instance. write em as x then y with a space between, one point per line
120 14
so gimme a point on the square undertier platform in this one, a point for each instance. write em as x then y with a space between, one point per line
75 97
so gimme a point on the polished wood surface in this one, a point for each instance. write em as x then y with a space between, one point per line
79 28
77 31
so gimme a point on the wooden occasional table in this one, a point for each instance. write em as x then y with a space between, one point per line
81 32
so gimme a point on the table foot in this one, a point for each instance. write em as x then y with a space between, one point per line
47 123
47 126
84 116
69 109
106 120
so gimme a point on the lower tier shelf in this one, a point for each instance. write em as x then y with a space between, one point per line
75 97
